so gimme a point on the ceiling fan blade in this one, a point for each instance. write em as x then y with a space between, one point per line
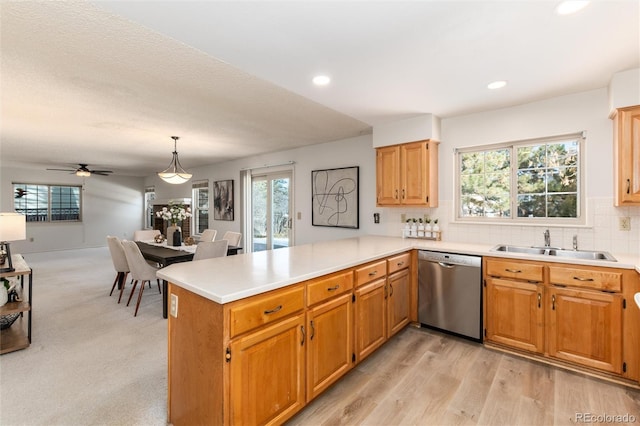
99 173
63 170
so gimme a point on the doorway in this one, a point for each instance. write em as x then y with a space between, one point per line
271 216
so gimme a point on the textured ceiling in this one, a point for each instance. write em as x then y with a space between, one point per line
108 83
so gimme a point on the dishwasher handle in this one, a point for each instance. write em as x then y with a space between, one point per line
447 265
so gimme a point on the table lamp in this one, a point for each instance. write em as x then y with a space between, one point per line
13 227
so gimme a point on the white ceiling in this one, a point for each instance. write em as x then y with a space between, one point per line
108 83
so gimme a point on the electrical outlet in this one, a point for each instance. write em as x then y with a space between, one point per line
424 219
174 306
403 217
625 223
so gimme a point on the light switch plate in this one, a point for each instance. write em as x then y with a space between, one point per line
173 310
625 223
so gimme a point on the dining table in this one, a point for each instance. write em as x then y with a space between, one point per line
165 255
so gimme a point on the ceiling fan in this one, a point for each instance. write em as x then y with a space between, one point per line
83 171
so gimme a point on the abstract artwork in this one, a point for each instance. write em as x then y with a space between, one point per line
223 200
334 197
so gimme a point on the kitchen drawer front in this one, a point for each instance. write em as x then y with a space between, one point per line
517 270
370 272
607 280
396 263
323 288
264 309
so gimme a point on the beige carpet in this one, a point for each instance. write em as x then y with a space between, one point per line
90 362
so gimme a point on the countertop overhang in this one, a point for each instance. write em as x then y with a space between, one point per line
231 278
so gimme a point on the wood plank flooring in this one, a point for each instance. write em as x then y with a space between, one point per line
422 377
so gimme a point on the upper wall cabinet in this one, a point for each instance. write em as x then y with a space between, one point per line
407 174
627 156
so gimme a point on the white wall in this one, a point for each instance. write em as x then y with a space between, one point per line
112 205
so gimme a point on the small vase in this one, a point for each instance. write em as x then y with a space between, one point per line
170 231
4 295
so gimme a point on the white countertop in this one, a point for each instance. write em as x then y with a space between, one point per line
231 278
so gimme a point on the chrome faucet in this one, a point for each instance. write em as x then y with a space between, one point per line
575 242
547 239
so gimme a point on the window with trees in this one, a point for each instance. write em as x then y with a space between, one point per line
48 203
522 181
149 196
200 206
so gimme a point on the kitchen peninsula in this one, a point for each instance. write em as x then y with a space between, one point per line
254 337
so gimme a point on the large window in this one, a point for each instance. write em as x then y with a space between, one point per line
48 203
200 208
522 181
149 196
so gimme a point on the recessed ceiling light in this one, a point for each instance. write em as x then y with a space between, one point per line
571 6
497 84
321 80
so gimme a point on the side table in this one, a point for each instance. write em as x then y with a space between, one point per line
15 337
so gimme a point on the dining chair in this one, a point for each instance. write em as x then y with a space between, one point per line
145 234
233 238
141 271
208 235
120 263
209 249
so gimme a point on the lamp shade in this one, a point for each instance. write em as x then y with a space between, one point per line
13 226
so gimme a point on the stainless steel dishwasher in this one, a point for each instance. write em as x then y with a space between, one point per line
450 293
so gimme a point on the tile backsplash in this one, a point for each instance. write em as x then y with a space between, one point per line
603 234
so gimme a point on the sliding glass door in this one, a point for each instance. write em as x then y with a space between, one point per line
272 219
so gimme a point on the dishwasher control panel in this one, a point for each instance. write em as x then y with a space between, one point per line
454 259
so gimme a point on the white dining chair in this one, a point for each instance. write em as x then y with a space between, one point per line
233 238
141 271
145 234
120 263
208 235
209 249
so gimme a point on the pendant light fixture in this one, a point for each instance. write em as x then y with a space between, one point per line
175 174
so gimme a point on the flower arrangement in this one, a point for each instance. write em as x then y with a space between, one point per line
174 213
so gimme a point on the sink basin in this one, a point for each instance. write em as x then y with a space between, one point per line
519 249
583 254
554 251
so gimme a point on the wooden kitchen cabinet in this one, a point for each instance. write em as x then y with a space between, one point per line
567 312
267 373
407 174
370 313
329 348
585 327
515 315
627 156
399 293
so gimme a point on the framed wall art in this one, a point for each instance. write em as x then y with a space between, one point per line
223 200
335 197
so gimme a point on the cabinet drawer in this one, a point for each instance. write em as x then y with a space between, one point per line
517 270
326 287
264 309
370 272
587 278
399 262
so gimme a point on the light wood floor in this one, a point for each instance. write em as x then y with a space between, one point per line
423 377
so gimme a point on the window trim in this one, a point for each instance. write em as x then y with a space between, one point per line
580 221
50 202
195 221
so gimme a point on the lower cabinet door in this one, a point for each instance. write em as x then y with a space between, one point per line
370 312
329 348
585 327
515 314
267 373
398 301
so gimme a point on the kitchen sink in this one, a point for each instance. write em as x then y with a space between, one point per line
558 252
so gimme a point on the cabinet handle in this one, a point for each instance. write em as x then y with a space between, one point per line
391 287
396 194
628 186
313 331
553 302
371 274
582 279
539 299
514 271
403 193
273 311
400 264
334 288
302 340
